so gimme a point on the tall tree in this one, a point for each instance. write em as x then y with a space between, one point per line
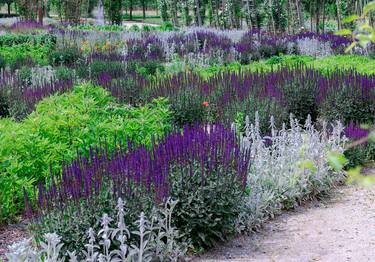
113 10
299 14
8 3
338 7
198 12
317 13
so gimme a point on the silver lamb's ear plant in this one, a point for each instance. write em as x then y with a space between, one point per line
121 233
51 248
91 254
105 234
291 168
140 253
72 256
22 251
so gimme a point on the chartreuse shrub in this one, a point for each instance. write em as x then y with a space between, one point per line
63 125
32 39
17 55
326 65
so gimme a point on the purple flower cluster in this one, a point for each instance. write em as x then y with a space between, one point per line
22 25
355 132
200 42
19 92
228 88
207 152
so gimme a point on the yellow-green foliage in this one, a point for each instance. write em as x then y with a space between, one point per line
63 125
361 64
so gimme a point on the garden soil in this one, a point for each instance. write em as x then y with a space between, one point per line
338 229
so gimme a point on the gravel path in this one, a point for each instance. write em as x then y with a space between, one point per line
338 229
10 234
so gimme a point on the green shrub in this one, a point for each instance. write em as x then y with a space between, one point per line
32 39
2 62
206 213
67 56
301 100
187 108
62 125
64 73
150 68
359 155
4 106
347 105
19 55
24 75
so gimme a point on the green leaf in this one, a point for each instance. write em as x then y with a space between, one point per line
336 160
369 7
350 19
343 32
371 137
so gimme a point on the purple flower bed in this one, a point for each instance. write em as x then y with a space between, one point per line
340 95
208 153
355 132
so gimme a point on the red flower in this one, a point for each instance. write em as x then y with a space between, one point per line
205 104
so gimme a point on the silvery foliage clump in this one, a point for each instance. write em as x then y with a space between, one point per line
157 240
42 75
288 166
313 47
25 251
234 34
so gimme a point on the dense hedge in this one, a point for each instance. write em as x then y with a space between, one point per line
63 125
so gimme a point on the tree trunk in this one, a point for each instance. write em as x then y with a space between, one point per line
174 13
324 15
299 14
198 12
256 24
311 16
248 16
144 9
339 25
289 16
317 11
131 10
40 12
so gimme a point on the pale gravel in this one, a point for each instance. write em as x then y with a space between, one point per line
338 229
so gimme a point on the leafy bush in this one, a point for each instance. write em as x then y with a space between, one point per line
150 68
64 73
67 56
4 105
187 108
19 55
348 104
358 155
61 126
2 62
25 75
46 39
